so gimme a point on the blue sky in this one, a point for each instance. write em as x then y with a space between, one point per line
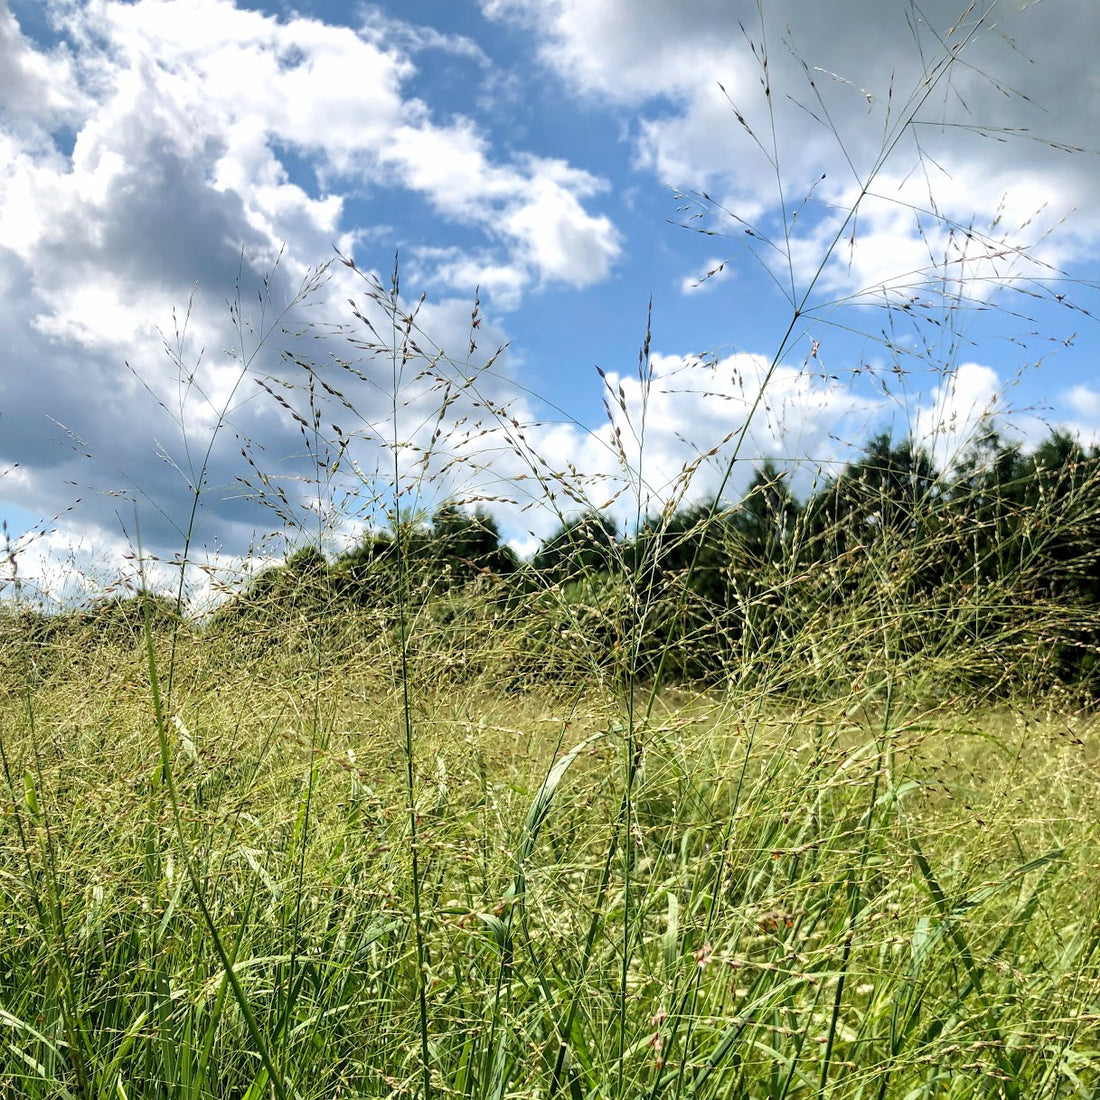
157 155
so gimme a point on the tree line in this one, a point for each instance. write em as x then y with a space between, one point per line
990 568
984 577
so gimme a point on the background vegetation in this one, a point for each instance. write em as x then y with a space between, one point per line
981 581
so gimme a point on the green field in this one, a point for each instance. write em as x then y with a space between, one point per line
217 889
722 794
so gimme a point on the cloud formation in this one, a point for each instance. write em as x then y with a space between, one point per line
171 172
162 154
924 116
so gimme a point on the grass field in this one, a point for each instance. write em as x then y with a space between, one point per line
857 898
468 838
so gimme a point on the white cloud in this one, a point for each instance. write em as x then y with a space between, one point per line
1082 404
379 26
185 111
166 145
147 161
686 432
463 272
946 423
1084 401
555 234
978 143
37 89
628 51
535 206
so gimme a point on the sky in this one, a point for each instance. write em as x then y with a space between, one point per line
822 222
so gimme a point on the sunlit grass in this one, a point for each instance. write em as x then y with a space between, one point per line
755 802
832 901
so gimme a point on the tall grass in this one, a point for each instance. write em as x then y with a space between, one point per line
473 840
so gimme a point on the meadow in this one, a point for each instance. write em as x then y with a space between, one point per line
717 895
755 798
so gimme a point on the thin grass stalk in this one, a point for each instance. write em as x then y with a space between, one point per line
50 913
398 363
689 1005
939 70
565 1029
632 749
199 473
295 973
515 896
198 477
855 900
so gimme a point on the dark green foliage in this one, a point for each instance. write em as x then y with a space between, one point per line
884 495
580 547
302 585
766 518
683 572
1066 486
469 546
988 573
121 619
455 549
367 573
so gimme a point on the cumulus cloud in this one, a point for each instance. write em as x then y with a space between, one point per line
1085 401
791 117
1083 406
534 206
683 431
182 113
169 173
949 420
37 90
463 269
